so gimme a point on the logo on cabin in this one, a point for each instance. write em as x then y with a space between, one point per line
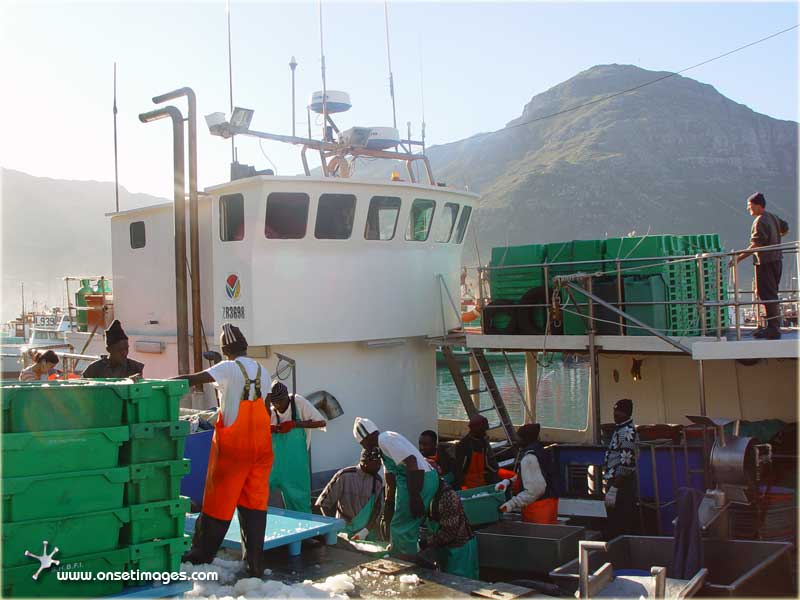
233 286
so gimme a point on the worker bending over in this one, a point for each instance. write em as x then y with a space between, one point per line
536 494
241 456
410 485
451 536
291 416
355 494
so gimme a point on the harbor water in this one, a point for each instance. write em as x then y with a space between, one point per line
561 401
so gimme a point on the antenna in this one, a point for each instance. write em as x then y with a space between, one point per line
116 169
389 58
230 73
324 86
422 92
293 66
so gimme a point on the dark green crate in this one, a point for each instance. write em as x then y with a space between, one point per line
63 494
151 442
73 536
55 406
514 282
160 403
156 520
47 452
18 581
160 556
155 481
482 504
649 289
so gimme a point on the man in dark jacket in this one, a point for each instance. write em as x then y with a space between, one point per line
767 230
475 463
116 364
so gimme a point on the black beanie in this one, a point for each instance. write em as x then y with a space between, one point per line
115 333
279 392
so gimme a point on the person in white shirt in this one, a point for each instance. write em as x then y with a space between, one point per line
411 483
241 456
292 415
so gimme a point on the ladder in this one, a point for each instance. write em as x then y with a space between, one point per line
470 398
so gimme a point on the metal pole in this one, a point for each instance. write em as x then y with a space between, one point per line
701 294
736 316
389 59
230 75
22 284
701 376
308 114
619 296
179 201
531 381
116 170
194 222
293 66
324 85
594 361
719 297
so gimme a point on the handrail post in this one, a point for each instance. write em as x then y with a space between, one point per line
701 294
545 270
736 316
719 297
619 296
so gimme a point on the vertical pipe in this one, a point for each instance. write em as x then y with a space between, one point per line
531 381
293 66
701 377
619 297
179 201
594 362
719 297
389 59
194 222
308 115
701 294
22 285
736 316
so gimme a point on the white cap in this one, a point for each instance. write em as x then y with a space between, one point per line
362 428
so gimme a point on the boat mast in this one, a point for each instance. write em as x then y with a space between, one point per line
324 86
116 169
389 59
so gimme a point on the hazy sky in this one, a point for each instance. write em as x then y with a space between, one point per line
482 63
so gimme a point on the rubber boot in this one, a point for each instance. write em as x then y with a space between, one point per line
207 539
253 525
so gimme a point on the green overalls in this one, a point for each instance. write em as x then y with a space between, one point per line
362 519
291 471
460 560
404 528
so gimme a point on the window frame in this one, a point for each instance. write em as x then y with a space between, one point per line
223 216
131 234
462 233
456 214
396 217
410 221
352 215
266 215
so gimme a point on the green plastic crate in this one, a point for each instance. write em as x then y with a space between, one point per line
48 452
160 556
73 536
482 504
646 289
156 520
155 481
19 583
159 402
63 494
151 442
55 406
513 283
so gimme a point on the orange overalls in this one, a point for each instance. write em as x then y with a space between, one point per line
239 467
544 511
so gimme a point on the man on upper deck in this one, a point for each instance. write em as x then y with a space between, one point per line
767 230
116 364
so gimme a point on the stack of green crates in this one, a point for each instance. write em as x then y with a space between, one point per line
92 468
576 251
512 283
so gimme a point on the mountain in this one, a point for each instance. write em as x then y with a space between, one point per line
673 157
52 228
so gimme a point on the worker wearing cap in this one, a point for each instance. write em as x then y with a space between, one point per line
355 494
619 473
536 497
475 463
116 364
292 416
410 485
241 456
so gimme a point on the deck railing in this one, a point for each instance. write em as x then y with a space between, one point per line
737 299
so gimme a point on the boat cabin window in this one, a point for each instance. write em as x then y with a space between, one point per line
419 223
231 218
138 239
462 224
443 230
287 216
335 213
382 218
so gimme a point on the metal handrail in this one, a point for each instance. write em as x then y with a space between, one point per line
715 302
